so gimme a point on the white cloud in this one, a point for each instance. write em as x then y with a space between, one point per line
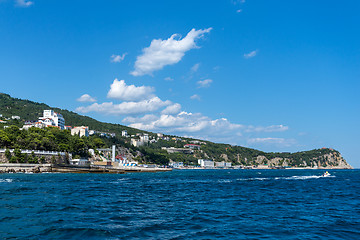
195 67
117 58
281 142
24 3
204 83
195 97
184 123
146 118
166 52
199 126
126 108
86 98
168 79
250 54
119 90
272 128
239 10
172 109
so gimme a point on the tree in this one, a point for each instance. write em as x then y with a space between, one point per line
13 159
7 154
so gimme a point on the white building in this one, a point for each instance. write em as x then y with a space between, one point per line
124 133
144 137
57 118
15 117
47 122
206 163
136 142
81 131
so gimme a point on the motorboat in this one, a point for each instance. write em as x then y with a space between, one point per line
326 174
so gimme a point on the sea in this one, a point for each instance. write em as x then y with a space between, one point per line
182 204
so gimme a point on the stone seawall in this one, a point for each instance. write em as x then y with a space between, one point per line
44 157
24 168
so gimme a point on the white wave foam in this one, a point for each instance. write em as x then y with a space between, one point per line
224 181
253 179
6 180
284 178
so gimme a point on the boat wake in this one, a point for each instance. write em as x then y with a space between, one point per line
6 180
284 178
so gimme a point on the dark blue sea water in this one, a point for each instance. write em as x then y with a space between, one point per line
183 204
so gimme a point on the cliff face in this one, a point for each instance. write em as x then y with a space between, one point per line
332 160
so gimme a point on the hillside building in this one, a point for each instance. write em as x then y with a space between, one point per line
206 163
50 117
81 131
192 146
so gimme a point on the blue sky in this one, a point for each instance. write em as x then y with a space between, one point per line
271 75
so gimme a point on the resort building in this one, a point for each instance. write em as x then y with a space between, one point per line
81 131
192 146
178 150
144 137
56 118
47 122
137 142
206 163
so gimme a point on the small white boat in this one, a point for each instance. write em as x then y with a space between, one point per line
326 174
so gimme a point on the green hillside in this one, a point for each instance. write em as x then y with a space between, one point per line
151 153
30 111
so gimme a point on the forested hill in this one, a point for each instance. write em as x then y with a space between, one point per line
153 153
31 111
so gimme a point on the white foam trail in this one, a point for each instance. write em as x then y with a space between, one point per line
285 178
6 180
224 181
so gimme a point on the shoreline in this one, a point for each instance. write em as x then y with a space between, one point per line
51 168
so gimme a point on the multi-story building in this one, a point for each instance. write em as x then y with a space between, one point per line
192 146
206 163
57 118
81 131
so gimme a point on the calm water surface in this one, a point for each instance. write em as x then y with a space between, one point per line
187 204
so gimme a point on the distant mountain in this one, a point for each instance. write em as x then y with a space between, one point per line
237 155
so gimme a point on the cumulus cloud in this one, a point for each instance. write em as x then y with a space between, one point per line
117 58
23 3
119 90
172 109
185 123
195 97
126 108
204 83
166 52
86 98
199 126
146 118
250 54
